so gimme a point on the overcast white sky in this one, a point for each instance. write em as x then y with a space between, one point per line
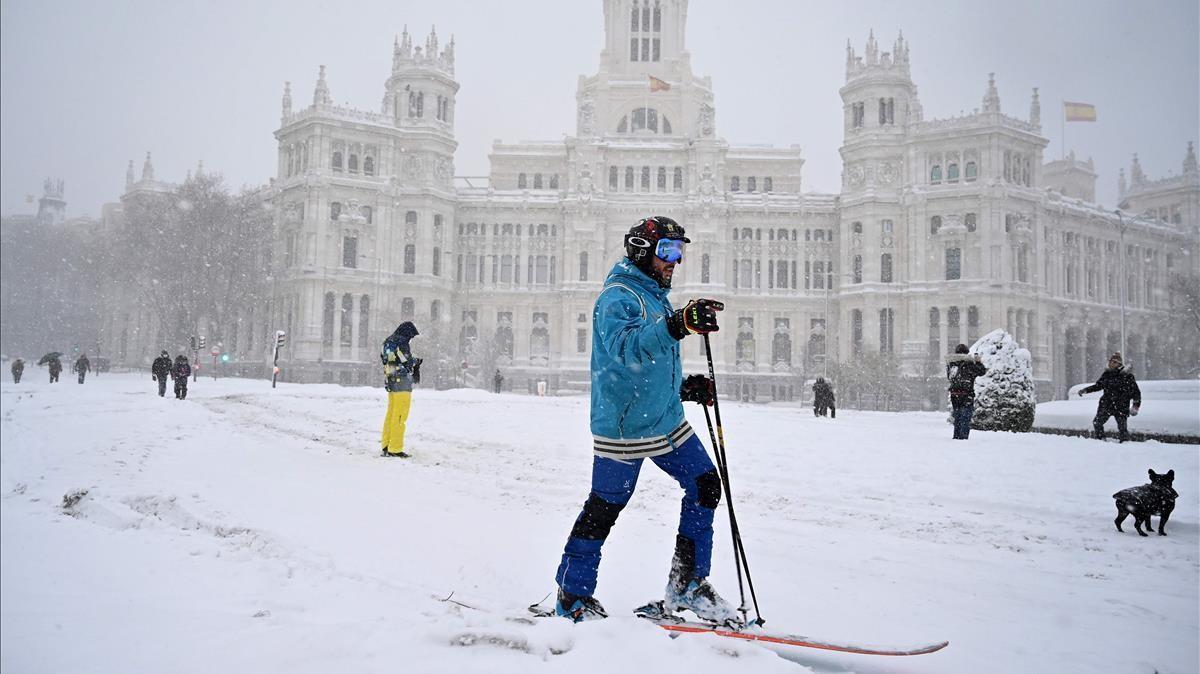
86 86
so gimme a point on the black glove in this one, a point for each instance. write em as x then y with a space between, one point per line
416 370
699 316
698 389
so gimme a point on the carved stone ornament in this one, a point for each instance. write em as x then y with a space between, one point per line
587 113
855 176
704 120
887 173
413 167
442 170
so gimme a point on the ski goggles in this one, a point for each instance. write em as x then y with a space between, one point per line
667 250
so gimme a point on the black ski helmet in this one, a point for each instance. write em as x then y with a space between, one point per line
643 237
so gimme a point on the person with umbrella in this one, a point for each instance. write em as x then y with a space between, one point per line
82 366
52 361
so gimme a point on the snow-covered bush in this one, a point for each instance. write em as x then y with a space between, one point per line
1004 397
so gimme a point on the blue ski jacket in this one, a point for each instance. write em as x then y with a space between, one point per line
636 369
398 360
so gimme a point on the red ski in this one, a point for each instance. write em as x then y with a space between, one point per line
655 613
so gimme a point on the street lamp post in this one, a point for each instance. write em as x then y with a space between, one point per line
1124 281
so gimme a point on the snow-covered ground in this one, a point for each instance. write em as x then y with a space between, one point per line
251 530
1168 406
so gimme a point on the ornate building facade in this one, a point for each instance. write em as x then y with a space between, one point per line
944 229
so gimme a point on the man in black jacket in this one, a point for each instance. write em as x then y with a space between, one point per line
1120 387
823 400
962 369
160 370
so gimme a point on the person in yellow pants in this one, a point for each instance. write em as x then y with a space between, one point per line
400 371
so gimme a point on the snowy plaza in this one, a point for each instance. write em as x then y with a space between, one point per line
251 529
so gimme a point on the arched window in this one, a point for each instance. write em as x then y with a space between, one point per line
521 181
364 321
583 266
678 183
661 182
554 181
410 218
537 181
646 178
337 161
327 320
335 210
613 177
347 333
435 310
437 261
747 234
751 184
768 184
952 172
369 165
885 268
972 171
781 349
1023 263
856 227
407 307
410 259
935 223
971 221
352 164
935 174
856 332
629 178
857 269
644 120
735 184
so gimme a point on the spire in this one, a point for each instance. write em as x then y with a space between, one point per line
148 168
287 99
1035 110
1121 184
431 43
1189 162
899 50
200 168
129 176
991 100
1135 172
872 49
406 43
321 93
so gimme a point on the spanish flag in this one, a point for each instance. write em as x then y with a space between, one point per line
1079 112
658 85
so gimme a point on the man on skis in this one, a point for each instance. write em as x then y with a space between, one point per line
637 413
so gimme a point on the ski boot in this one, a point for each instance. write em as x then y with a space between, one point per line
578 609
699 597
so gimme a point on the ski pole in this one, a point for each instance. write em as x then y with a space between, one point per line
723 466
737 564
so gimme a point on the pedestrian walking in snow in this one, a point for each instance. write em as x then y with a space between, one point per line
498 381
400 372
160 370
823 400
961 369
82 366
637 413
181 371
18 368
55 366
1120 389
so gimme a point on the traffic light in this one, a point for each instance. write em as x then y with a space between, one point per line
201 341
280 339
224 358
193 342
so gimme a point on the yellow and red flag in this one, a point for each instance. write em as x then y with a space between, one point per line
658 85
1079 112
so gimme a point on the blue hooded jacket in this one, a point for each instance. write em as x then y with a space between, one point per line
397 359
636 369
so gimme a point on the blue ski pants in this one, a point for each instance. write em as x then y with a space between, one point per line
613 482
962 420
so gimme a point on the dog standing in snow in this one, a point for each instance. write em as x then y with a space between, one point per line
1156 498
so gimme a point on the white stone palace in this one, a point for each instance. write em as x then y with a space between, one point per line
943 230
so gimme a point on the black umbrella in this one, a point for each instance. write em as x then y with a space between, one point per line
46 358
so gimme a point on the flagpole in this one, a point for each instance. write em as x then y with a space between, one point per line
1064 130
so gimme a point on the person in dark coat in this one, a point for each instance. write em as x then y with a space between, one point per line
55 366
160 370
498 381
401 370
18 367
961 369
1120 388
823 400
82 366
181 371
